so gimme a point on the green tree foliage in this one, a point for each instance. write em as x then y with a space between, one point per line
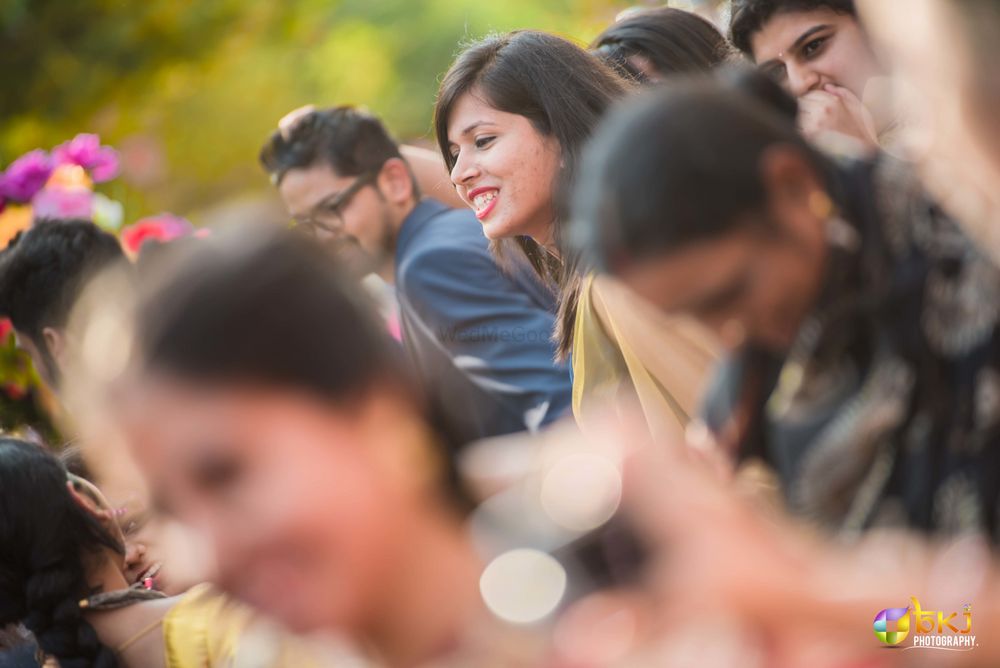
189 90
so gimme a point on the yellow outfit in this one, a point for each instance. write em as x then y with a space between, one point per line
623 344
203 629
207 629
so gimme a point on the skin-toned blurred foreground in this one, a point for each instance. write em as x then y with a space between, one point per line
250 470
721 551
941 52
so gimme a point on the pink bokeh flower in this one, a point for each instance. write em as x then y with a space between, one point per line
162 228
63 204
86 151
26 176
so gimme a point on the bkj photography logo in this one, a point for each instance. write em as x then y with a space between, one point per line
931 630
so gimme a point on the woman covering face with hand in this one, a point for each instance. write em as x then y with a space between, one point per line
819 52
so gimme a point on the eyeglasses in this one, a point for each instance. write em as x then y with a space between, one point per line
330 208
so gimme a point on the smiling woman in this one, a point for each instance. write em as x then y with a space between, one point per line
63 575
512 116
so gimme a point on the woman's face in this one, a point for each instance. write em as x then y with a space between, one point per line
803 51
505 169
305 515
152 540
759 291
757 282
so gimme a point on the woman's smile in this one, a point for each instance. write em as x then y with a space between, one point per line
483 201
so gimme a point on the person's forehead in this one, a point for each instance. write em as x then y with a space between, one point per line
306 186
473 107
780 32
680 275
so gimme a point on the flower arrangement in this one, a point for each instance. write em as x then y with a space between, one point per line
60 184
25 176
162 228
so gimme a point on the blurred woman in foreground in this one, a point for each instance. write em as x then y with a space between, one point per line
323 488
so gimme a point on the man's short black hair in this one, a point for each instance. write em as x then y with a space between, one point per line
349 140
44 269
750 16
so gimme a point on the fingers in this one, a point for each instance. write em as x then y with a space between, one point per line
839 91
846 99
862 116
836 110
819 111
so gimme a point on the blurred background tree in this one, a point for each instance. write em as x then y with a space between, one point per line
189 90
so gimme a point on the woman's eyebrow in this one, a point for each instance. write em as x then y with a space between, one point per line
804 37
473 126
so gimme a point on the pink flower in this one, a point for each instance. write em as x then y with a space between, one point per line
86 150
62 204
162 228
5 329
26 176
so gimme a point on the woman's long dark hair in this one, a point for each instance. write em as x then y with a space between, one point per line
564 91
681 165
672 40
44 538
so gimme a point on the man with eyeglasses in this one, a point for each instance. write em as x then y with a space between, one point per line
479 337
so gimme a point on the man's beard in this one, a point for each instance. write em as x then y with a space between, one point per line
349 255
356 260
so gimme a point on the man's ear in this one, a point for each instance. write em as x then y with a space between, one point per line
54 340
396 181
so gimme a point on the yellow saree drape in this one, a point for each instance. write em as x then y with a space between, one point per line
623 346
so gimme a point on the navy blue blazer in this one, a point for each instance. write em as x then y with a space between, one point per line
480 337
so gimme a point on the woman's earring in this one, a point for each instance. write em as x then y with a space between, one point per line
838 231
820 204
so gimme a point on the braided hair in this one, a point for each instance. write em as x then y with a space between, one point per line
44 537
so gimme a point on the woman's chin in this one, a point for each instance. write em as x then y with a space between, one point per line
497 229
